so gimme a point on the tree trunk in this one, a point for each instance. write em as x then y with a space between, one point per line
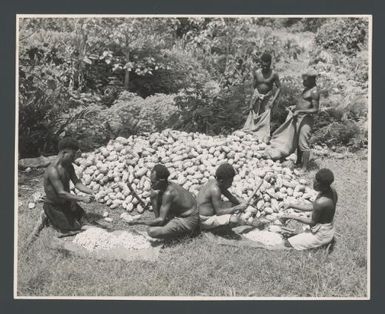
127 79
127 74
82 48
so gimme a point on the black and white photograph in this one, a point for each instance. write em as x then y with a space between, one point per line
193 157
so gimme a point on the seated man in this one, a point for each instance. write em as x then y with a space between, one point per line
321 220
174 207
213 212
60 206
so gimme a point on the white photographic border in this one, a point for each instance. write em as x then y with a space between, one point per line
200 298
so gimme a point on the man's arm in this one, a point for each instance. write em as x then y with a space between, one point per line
217 204
278 91
163 209
305 220
154 198
301 207
167 200
231 197
54 178
315 217
76 181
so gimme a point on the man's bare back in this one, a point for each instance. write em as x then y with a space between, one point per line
175 208
204 198
326 207
182 200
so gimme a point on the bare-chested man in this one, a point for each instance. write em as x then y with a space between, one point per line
175 208
264 80
321 220
214 212
60 206
306 107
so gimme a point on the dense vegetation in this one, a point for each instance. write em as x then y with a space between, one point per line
99 78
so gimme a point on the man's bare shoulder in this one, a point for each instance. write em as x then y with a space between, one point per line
210 186
257 72
323 202
315 93
52 170
213 188
169 194
175 188
275 75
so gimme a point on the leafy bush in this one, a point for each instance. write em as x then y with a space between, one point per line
179 70
345 132
42 98
212 110
157 112
343 35
294 24
87 126
342 121
131 114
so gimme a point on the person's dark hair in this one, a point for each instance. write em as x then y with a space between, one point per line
325 176
68 142
161 172
225 171
266 57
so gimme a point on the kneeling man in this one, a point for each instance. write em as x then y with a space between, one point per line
174 207
60 206
214 212
321 221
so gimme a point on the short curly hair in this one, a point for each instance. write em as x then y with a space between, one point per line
266 57
325 176
68 142
161 172
225 171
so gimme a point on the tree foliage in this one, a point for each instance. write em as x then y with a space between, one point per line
343 35
82 76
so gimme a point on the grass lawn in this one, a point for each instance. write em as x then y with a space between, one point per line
198 267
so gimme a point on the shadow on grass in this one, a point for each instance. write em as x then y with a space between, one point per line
168 243
226 232
94 217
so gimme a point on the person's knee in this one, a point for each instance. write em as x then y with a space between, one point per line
153 232
234 219
227 204
158 232
287 243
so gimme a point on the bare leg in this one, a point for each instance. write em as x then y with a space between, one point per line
299 157
235 220
287 243
306 158
161 233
